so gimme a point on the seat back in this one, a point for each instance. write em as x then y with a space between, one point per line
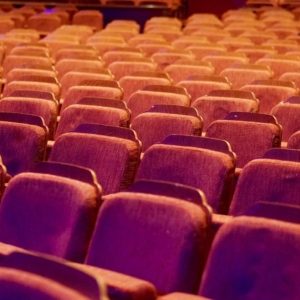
145 244
165 120
250 135
113 153
267 245
62 219
188 160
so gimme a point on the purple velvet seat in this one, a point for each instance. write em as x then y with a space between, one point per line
267 179
164 120
51 210
142 100
253 258
23 141
206 164
275 210
182 296
218 103
250 135
92 88
16 284
288 115
157 238
57 270
93 110
46 109
112 152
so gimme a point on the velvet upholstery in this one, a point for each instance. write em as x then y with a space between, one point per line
122 53
201 86
13 61
58 270
22 144
77 114
15 73
163 124
124 67
30 85
146 249
181 71
208 170
280 64
66 65
240 75
44 23
46 109
133 83
288 115
75 93
113 159
224 60
165 58
92 18
16 284
121 286
271 92
59 223
263 266
203 50
142 100
266 180
256 52
212 108
249 140
73 78
182 296
151 47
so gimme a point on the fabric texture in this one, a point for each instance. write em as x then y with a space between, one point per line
162 125
142 101
43 108
131 84
75 93
249 140
216 108
49 214
114 160
208 170
269 96
168 252
266 180
22 146
77 114
263 266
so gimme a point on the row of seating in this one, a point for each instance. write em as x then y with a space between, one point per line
105 218
156 258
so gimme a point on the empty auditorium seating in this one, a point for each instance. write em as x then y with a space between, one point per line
59 275
28 146
112 152
189 160
46 219
249 134
198 86
165 120
150 242
92 88
93 110
267 254
271 92
143 99
218 103
139 79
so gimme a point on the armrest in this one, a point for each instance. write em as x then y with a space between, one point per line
122 287
181 296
